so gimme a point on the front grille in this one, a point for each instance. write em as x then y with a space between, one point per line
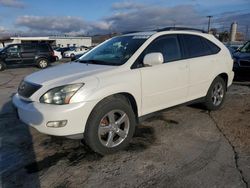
245 63
27 89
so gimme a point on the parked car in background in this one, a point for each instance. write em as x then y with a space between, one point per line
58 55
39 54
103 95
242 58
76 51
75 57
233 47
64 49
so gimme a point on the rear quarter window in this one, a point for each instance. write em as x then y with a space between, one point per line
213 47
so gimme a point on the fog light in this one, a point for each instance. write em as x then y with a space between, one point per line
57 124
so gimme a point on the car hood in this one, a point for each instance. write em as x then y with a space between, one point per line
240 55
66 73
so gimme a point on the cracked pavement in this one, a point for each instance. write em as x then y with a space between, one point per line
184 146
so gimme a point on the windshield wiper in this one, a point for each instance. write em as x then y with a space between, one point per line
84 61
97 62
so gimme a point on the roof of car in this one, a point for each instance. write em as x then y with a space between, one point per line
180 29
146 33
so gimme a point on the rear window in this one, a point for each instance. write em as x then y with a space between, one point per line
196 46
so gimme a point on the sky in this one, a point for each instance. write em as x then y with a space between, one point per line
81 17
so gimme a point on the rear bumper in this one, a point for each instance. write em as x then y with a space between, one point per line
52 59
230 78
38 115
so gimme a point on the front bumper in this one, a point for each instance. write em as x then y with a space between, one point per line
66 55
38 115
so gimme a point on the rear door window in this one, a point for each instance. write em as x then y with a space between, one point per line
43 48
27 48
195 46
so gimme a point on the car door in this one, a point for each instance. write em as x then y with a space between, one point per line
164 85
202 64
28 52
12 55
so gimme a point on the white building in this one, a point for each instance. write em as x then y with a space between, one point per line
55 41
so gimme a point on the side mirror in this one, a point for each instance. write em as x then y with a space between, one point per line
153 59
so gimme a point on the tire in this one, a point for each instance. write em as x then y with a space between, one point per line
72 55
42 63
2 66
104 133
57 58
216 94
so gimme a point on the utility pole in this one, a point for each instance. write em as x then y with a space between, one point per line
209 21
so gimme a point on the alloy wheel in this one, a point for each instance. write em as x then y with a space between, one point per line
217 94
43 63
113 128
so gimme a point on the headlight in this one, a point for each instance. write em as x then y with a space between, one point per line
60 95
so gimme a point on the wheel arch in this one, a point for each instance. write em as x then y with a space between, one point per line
41 57
126 96
224 76
131 101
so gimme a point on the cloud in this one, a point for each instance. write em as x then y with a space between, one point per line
126 17
12 3
2 29
64 24
126 5
240 18
213 3
129 16
151 17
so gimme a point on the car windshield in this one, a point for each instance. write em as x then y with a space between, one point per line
116 51
4 49
245 48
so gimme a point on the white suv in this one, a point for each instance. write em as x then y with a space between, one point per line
102 96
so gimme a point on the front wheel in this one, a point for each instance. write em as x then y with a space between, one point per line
2 66
111 125
216 94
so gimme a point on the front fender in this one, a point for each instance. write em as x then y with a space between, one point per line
126 82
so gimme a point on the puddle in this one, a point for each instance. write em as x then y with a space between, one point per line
72 156
45 163
143 138
162 118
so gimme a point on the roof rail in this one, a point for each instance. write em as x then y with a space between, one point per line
180 29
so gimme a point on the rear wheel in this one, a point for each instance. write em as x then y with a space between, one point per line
216 94
111 125
42 63
2 66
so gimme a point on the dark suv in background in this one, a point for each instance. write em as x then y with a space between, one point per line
39 54
242 58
